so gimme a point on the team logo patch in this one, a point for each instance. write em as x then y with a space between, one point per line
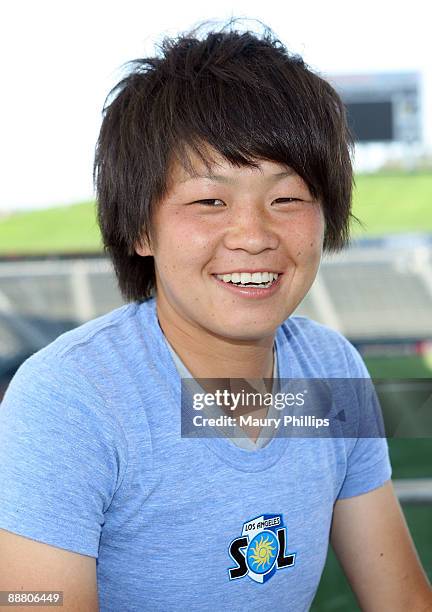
261 549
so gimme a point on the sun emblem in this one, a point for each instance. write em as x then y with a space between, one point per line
262 552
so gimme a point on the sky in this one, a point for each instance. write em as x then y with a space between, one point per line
59 59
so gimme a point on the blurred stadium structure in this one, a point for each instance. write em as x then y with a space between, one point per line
377 295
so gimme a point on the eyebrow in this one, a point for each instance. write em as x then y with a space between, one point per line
225 179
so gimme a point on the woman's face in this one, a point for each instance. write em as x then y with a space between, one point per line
236 221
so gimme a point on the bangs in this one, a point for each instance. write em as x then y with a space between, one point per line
246 113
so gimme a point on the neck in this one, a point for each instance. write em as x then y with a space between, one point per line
207 355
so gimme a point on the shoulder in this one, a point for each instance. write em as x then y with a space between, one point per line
327 349
68 368
96 331
314 332
106 335
58 388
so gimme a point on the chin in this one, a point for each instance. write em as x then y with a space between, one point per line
241 330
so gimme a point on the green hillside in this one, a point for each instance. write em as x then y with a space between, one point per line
393 203
58 230
385 203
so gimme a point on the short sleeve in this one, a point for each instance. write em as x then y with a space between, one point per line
60 456
368 467
368 461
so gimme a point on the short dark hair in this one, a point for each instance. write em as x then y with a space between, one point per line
241 93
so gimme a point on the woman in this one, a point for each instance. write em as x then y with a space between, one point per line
223 172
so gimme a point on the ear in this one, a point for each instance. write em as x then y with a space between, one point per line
142 248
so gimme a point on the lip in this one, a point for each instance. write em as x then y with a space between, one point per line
250 292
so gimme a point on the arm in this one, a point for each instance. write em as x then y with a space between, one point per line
372 542
60 463
28 565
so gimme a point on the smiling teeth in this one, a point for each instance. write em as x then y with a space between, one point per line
245 278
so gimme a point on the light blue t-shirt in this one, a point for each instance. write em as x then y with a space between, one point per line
92 461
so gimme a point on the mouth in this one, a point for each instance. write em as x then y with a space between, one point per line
256 284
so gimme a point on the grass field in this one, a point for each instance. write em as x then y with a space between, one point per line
384 203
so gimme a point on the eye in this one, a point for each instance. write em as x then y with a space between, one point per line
281 200
210 203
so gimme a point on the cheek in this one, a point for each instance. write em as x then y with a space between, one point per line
308 235
182 243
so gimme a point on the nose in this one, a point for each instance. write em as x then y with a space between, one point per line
251 229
